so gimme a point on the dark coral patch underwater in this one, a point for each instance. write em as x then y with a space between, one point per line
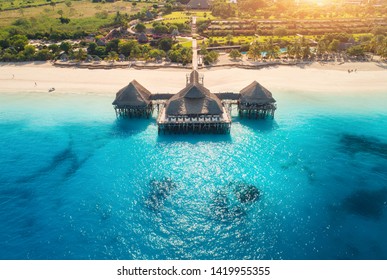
367 203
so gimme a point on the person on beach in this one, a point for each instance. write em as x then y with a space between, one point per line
13 76
36 84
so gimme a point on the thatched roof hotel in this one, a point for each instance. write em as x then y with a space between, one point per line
194 108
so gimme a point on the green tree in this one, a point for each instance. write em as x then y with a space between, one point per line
321 47
66 47
43 55
355 51
100 51
54 48
255 51
334 46
156 54
165 44
210 57
18 42
222 9
29 52
127 47
80 55
306 52
91 48
140 27
112 56
112 45
271 49
235 54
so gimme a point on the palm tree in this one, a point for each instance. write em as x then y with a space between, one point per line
255 50
271 48
295 49
321 47
112 56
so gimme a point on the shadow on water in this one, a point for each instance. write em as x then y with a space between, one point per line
363 144
65 157
124 127
367 203
261 125
68 161
160 191
194 138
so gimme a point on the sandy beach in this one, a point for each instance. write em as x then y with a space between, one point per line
322 78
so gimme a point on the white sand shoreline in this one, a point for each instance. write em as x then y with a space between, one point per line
314 78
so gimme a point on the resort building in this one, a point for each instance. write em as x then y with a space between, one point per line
256 101
133 101
194 109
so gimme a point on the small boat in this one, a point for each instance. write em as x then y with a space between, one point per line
51 89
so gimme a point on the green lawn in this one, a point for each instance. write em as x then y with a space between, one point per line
181 17
84 16
185 42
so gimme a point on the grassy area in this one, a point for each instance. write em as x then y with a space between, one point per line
181 17
14 4
185 42
84 15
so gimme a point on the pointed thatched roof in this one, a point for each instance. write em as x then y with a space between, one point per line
133 94
255 93
194 99
194 77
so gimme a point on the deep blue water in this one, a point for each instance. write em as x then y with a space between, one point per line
75 183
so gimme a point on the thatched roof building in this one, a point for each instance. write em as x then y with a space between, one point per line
133 100
256 101
193 100
194 109
255 93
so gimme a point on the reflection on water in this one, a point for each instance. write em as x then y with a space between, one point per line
85 185
160 191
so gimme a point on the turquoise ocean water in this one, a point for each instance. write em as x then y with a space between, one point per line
75 183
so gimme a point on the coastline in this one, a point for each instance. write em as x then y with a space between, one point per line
315 78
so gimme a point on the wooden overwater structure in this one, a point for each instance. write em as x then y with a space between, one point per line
194 109
133 101
256 101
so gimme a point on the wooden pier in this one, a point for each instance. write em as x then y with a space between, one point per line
194 109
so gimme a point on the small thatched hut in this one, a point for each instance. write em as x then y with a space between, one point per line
133 101
256 101
194 109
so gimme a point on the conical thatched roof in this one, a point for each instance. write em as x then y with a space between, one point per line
194 99
255 93
133 94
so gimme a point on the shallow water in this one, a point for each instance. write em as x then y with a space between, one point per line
76 183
